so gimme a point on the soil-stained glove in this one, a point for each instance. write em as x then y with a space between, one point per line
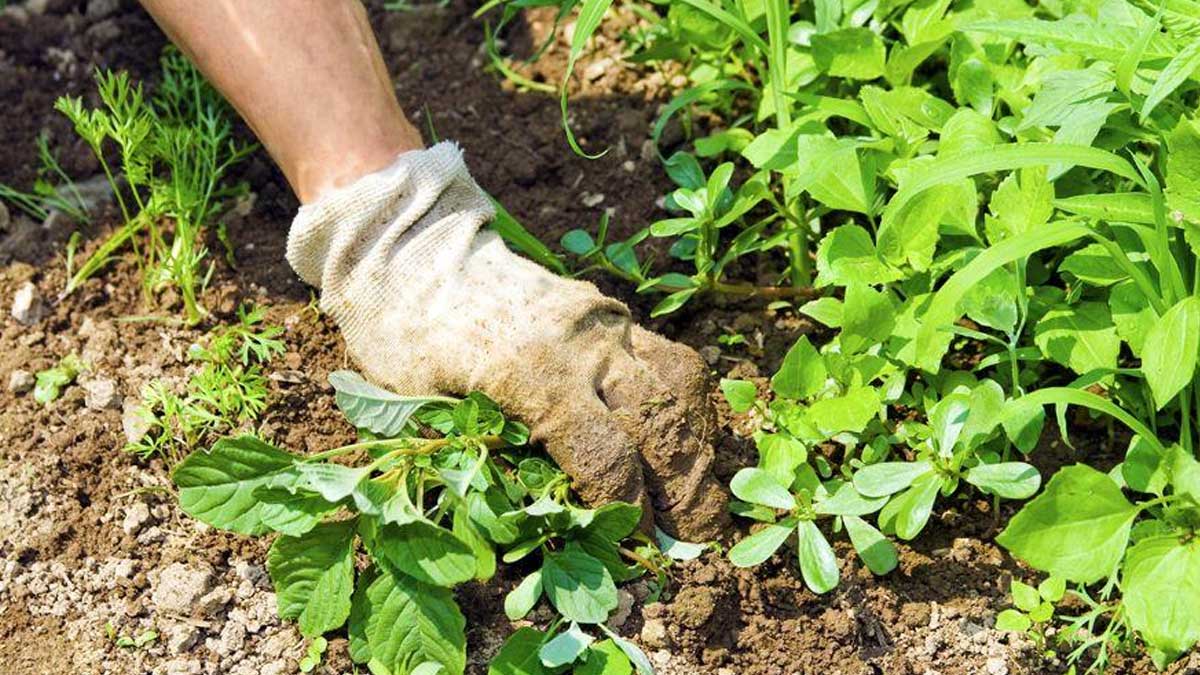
430 303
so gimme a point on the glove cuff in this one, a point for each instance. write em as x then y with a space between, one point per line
423 194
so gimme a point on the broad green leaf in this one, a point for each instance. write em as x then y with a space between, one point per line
614 521
409 623
578 585
876 550
673 302
852 53
314 576
847 255
947 418
1145 469
907 513
1183 170
566 647
887 478
426 552
1181 67
373 408
360 610
1161 581
605 658
578 242
1013 620
993 301
802 373
818 564
217 487
781 455
465 530
867 318
634 653
1170 351
1093 264
1023 423
759 546
850 412
739 393
1077 528
1010 480
1081 337
844 500
519 654
757 486
827 311
521 599
1132 314
1052 588
1025 597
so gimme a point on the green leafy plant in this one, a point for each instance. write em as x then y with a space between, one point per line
140 641
1033 609
49 383
227 391
434 488
174 150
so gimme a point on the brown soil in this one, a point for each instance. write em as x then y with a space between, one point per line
90 537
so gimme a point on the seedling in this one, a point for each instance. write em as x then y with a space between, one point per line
144 639
50 382
1033 609
229 389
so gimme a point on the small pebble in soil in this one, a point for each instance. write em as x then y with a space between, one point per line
101 394
136 517
27 305
654 634
996 666
20 381
179 587
135 421
180 636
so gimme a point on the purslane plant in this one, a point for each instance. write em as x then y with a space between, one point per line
428 496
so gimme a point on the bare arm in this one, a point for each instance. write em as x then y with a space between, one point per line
306 75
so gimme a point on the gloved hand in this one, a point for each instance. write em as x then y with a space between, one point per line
430 303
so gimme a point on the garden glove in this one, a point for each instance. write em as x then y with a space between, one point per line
428 302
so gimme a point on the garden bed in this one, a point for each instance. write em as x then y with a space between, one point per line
95 552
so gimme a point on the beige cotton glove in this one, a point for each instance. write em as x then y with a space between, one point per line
430 303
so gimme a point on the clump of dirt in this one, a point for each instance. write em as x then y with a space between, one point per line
93 548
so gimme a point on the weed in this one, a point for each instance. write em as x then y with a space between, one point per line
50 382
229 389
174 150
433 489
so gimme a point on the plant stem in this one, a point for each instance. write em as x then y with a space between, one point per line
641 560
402 446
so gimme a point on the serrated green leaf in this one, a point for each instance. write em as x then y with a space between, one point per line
217 487
314 576
409 623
